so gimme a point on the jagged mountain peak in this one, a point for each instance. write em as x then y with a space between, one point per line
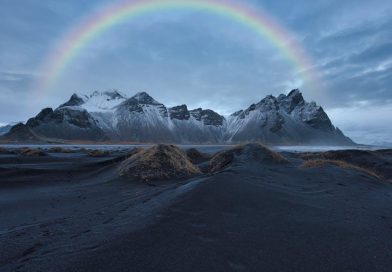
110 94
294 93
142 102
209 117
183 106
144 98
75 100
287 118
268 103
96 101
179 112
292 100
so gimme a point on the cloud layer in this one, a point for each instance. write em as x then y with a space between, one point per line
203 60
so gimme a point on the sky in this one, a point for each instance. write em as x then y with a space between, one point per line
200 59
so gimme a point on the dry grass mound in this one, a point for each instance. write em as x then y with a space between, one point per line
347 155
316 163
374 162
253 152
196 157
98 153
30 152
159 162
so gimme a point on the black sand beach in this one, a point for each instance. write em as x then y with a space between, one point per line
73 212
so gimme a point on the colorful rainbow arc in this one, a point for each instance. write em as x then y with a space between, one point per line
98 23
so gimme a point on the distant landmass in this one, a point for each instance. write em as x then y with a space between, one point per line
6 128
112 116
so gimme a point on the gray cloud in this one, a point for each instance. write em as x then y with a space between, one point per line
15 82
195 58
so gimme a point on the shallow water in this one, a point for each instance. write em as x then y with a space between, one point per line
316 148
202 148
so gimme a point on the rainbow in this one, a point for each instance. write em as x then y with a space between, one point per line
94 25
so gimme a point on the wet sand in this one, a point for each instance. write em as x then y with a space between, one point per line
72 212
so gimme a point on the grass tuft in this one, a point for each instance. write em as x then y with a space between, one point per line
252 152
159 162
30 152
316 163
98 153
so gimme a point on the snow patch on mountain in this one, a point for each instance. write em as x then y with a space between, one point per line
97 101
286 119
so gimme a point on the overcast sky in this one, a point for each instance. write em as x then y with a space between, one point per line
203 60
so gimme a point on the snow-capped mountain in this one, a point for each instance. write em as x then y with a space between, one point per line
97 101
286 119
111 115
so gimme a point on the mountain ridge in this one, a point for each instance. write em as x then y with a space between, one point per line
111 115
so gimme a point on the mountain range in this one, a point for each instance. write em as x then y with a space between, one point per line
112 116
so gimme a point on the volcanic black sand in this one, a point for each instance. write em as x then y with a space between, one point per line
249 210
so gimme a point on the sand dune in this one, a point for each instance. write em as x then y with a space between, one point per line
376 163
248 153
261 211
